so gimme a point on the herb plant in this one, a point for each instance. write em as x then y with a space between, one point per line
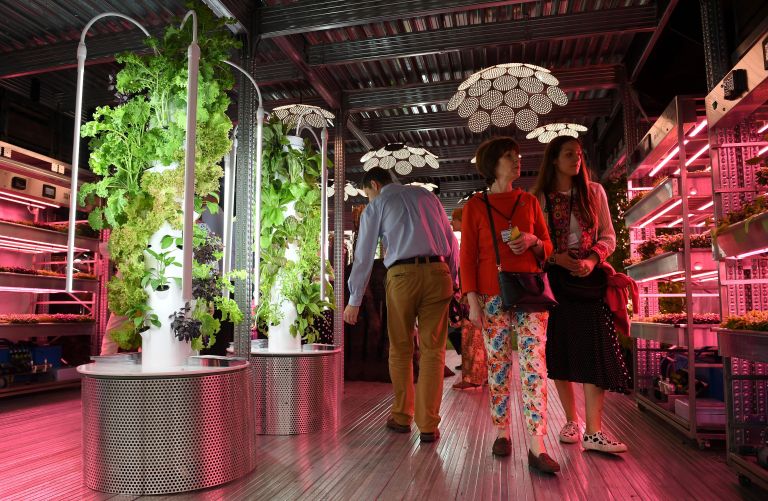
290 177
195 321
155 277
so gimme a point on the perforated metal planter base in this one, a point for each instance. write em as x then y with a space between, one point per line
160 434
296 393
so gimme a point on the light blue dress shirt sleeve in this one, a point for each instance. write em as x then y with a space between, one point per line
365 251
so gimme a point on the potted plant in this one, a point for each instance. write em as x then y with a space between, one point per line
136 150
290 245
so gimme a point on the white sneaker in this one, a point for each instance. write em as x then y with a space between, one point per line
569 434
600 442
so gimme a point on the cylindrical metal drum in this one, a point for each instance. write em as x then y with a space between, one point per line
166 432
296 392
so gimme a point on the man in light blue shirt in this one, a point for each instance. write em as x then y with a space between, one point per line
422 261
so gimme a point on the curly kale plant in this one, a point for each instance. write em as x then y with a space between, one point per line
147 128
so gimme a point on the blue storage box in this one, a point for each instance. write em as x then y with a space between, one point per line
51 353
712 375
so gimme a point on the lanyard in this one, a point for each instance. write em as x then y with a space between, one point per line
493 227
508 218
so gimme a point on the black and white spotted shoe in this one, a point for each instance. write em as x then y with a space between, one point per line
570 433
598 441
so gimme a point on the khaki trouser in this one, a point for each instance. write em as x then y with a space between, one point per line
420 291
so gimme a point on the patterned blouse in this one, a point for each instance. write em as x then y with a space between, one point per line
602 242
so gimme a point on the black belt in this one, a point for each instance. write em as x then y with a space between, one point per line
419 259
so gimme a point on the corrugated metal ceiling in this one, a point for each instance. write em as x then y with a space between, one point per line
586 39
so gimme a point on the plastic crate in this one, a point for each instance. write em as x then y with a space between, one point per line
49 353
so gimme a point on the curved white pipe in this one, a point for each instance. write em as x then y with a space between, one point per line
193 14
323 196
81 54
257 222
230 169
193 66
323 209
248 75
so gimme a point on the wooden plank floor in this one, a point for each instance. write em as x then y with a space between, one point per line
40 457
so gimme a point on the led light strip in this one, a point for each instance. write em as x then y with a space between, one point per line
42 246
649 221
694 157
29 200
698 128
664 162
697 275
750 253
657 277
675 223
16 249
36 291
678 221
667 159
36 206
30 243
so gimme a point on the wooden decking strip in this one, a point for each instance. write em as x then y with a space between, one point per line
363 460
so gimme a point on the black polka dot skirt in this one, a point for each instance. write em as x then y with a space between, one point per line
582 346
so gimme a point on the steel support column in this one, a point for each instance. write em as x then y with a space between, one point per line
244 196
339 180
630 118
715 47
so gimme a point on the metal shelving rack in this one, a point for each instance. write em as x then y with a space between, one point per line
32 186
738 125
670 165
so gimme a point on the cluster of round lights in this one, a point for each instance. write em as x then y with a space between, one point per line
312 116
505 94
349 191
549 132
426 186
400 157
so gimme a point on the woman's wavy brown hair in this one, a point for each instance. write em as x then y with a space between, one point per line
545 182
488 154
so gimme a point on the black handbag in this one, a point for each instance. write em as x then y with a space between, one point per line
567 286
521 291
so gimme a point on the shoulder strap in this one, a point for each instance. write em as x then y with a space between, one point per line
493 231
493 226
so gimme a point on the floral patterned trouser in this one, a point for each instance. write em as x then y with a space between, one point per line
531 330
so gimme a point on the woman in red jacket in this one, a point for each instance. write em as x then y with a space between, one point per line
498 161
